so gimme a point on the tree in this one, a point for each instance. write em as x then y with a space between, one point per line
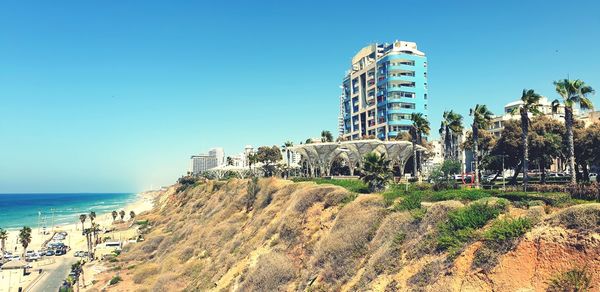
229 161
450 126
376 171
286 146
252 159
420 126
509 146
82 218
326 136
572 92
92 217
131 215
25 238
114 215
545 142
122 214
586 141
268 156
403 136
531 102
3 238
481 119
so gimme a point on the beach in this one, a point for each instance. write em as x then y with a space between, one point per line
75 239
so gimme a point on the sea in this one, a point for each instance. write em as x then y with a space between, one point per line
43 210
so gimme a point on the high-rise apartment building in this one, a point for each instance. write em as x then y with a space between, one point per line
201 163
384 86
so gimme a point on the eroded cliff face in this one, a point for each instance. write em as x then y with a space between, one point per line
302 236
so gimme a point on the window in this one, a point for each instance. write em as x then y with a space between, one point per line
406 105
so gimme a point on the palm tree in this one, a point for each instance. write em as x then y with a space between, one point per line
376 171
25 238
326 136
229 161
132 215
252 159
82 218
92 217
420 126
481 119
573 92
531 102
122 214
286 146
451 124
114 215
3 237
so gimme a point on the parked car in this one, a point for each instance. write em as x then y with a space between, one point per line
49 252
593 177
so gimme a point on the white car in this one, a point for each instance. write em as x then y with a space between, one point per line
593 177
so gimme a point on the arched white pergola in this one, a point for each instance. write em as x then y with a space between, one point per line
322 155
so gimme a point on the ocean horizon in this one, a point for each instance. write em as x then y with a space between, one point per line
44 209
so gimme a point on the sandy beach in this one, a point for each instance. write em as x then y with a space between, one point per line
75 240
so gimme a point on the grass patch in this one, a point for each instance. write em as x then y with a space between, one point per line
460 227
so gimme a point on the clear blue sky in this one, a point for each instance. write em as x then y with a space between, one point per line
115 95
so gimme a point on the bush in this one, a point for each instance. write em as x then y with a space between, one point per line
462 223
579 217
144 272
116 279
507 229
572 280
410 202
500 238
590 192
272 272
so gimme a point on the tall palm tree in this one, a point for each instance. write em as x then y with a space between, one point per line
326 136
419 127
3 238
376 171
531 102
286 146
82 218
481 119
114 215
122 214
25 238
92 218
573 92
252 159
451 124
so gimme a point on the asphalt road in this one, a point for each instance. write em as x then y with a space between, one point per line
57 273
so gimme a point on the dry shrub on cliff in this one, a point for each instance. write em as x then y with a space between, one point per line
272 272
579 217
167 282
354 228
387 243
144 272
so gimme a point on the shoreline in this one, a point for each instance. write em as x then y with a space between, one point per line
144 201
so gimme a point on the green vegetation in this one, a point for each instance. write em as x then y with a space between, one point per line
572 280
411 201
116 279
376 172
507 229
461 224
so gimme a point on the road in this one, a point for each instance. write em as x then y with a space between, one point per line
57 273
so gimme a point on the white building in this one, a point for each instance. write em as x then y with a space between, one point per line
219 154
203 162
